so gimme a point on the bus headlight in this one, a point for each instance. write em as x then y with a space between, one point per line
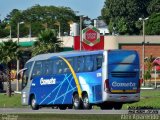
24 95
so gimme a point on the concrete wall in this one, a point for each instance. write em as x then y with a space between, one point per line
20 39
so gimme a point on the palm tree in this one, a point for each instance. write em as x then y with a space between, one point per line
47 42
149 66
9 52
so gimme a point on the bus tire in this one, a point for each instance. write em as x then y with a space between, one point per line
70 107
34 106
86 104
76 101
106 106
118 106
62 107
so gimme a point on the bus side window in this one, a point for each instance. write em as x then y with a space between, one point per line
37 70
99 59
59 66
47 67
80 64
66 68
89 63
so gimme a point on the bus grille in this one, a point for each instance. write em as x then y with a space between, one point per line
123 74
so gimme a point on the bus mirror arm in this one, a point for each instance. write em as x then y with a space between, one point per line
19 73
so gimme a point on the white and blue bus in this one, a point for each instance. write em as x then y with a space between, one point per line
81 79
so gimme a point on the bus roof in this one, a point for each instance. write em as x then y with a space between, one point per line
64 54
71 54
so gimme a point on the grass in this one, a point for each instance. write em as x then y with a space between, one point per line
149 98
10 102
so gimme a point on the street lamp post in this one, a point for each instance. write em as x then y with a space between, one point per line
10 31
81 20
59 26
143 46
17 86
81 32
30 32
10 35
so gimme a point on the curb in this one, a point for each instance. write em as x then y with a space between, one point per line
148 88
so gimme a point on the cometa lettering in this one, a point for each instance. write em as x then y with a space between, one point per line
47 81
130 84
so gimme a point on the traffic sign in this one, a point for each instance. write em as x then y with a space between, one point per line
90 35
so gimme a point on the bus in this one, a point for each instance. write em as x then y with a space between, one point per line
81 79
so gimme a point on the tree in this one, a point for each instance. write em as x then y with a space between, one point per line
37 16
153 7
153 24
9 52
121 15
4 32
47 42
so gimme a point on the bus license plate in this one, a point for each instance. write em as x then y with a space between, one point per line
123 97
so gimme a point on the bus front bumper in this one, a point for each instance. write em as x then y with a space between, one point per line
24 98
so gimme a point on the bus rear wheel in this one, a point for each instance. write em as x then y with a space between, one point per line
118 106
86 104
34 105
106 106
76 101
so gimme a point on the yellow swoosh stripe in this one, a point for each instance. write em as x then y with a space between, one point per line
123 91
74 76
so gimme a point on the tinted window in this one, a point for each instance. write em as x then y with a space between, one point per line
58 66
80 64
47 67
37 70
99 60
89 63
66 68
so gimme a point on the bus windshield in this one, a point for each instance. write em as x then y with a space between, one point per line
25 76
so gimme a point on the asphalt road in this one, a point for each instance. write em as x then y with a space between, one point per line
57 111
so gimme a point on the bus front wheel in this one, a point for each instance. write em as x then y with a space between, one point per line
34 105
76 101
86 104
62 107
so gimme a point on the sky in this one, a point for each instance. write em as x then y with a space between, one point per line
90 8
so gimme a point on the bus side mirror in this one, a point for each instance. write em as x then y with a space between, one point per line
20 73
